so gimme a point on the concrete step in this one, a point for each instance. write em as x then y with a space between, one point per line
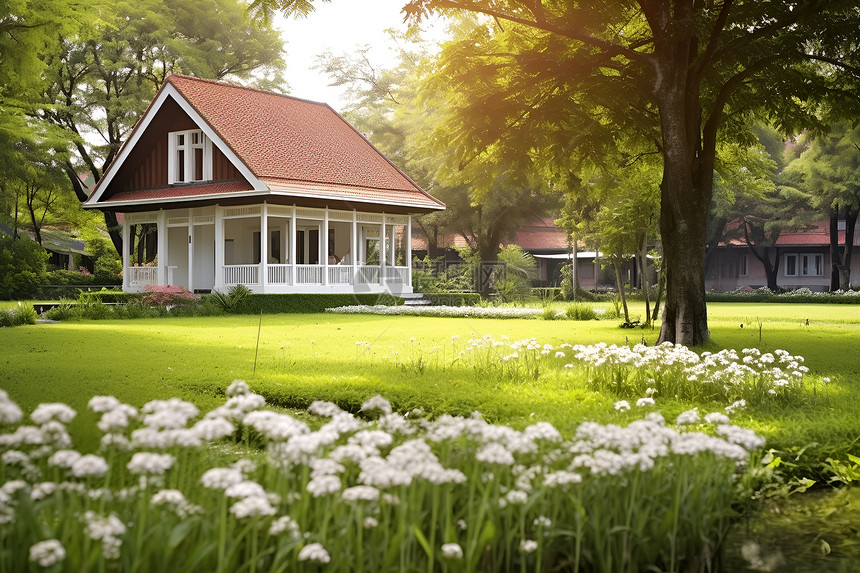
414 299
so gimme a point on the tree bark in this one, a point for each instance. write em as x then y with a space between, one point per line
618 279
835 251
685 196
845 267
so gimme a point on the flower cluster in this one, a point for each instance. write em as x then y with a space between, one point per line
333 490
440 311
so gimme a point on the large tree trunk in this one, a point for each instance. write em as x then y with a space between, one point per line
685 195
835 251
616 264
848 252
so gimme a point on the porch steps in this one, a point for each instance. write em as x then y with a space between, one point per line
414 299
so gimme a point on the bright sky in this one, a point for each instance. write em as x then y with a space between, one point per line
339 26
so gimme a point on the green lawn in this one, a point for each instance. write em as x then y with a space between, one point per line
306 357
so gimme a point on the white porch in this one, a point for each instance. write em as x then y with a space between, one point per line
303 250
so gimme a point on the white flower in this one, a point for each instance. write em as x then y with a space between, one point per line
253 506
10 413
734 406
47 553
287 524
117 419
495 454
149 463
716 418
238 388
221 478
642 402
528 545
245 489
377 403
211 429
370 522
315 553
542 521
622 405
89 466
452 551
542 431
325 409
42 490
100 404
688 417
360 492
323 485
106 529
54 411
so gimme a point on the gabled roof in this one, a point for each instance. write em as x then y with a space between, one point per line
283 146
815 235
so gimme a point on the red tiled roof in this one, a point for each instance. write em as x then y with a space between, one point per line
191 191
535 235
817 234
280 137
357 193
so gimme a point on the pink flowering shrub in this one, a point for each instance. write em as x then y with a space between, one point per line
169 295
85 271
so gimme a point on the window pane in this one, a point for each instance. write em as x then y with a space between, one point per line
180 140
198 163
180 165
790 265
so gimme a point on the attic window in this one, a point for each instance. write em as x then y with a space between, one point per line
189 157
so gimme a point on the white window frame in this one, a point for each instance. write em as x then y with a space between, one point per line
796 265
805 265
187 149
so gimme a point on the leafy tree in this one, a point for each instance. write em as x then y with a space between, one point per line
829 171
398 109
551 82
22 266
101 79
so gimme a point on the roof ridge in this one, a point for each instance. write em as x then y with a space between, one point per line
241 87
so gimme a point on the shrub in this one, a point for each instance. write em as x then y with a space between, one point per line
231 300
580 312
24 314
64 277
549 313
307 303
109 296
169 295
108 269
22 267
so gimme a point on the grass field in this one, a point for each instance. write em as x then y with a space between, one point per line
411 361
348 358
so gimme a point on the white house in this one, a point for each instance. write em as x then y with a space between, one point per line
250 187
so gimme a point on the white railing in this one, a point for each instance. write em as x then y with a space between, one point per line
397 275
280 274
241 274
142 276
368 275
309 274
340 275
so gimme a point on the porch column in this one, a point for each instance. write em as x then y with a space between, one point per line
126 249
325 248
191 250
392 251
293 233
264 247
219 248
409 250
161 251
382 251
354 247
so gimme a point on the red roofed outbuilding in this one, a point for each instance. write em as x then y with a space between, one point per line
211 164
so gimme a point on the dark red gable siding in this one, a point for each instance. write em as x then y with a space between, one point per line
146 165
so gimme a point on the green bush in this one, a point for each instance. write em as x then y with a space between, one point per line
24 314
547 294
108 269
453 298
230 301
580 312
64 277
801 295
308 303
109 296
549 313
22 267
